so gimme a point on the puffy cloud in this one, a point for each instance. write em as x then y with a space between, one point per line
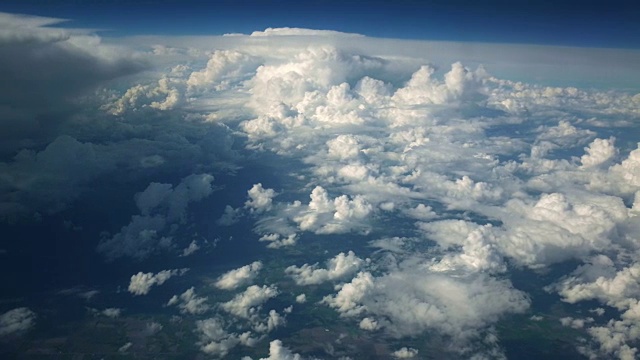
347 300
369 324
141 283
557 227
405 353
498 163
599 152
343 147
217 341
277 241
338 267
189 302
273 321
327 216
248 303
277 351
237 277
223 68
16 321
160 205
564 135
260 199
629 169
423 89
111 312
137 239
411 302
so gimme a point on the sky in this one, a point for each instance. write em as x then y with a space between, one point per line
319 180
573 23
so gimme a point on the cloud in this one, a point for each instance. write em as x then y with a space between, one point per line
141 283
340 266
287 31
216 341
260 199
599 152
248 303
112 312
189 302
48 68
160 205
277 351
237 277
409 302
330 216
192 248
16 321
223 69
459 174
405 353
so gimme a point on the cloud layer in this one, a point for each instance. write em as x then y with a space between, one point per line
322 143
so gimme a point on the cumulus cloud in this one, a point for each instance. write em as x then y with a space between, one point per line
410 302
459 174
237 277
248 303
217 341
189 302
324 215
223 69
405 353
260 199
340 266
141 283
160 205
111 312
16 321
277 351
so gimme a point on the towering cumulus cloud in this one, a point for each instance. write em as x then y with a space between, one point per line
487 210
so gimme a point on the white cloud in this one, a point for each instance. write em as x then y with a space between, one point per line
141 283
192 248
369 324
599 152
237 277
277 241
248 303
16 321
382 133
223 68
340 266
405 353
260 199
217 341
330 216
112 312
273 320
160 205
287 31
414 301
189 302
277 351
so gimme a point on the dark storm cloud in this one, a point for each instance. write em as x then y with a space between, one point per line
42 71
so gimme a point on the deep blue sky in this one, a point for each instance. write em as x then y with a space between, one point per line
580 23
